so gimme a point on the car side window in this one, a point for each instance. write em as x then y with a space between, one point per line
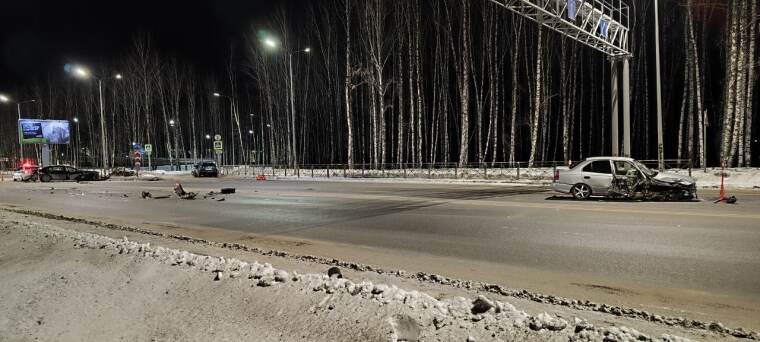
599 166
624 168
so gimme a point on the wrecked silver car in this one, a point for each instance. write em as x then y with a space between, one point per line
619 177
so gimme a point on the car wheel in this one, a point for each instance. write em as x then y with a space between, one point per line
45 178
581 191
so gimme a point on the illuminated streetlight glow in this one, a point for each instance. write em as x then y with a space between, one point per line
171 123
217 94
76 120
118 76
4 99
250 131
81 72
307 50
271 43
208 136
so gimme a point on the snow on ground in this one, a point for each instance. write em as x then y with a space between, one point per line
61 284
735 178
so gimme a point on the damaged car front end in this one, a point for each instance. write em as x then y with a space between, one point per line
646 184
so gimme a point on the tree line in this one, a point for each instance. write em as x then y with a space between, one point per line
418 81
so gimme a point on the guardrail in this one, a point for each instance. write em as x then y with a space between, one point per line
473 171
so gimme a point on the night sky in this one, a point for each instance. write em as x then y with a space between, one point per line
38 37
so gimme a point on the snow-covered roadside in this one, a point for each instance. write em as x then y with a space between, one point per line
313 301
521 182
735 178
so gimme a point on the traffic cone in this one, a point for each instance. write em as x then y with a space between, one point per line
722 193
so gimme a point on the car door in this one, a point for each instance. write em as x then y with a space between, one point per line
598 175
72 173
57 172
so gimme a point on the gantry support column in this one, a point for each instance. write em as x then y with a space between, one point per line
616 93
626 107
615 107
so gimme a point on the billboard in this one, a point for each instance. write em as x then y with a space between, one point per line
32 131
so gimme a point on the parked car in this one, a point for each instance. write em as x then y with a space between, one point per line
25 173
619 177
205 169
66 173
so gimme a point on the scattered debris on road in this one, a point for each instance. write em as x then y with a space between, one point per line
146 194
181 193
226 191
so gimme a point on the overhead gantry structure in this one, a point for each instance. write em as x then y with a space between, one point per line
602 25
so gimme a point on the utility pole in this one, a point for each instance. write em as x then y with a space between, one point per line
660 144
20 144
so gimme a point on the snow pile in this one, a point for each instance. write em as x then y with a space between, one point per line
165 173
583 305
422 310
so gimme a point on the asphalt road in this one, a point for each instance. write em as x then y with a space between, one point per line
696 259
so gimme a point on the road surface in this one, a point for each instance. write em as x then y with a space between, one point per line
694 259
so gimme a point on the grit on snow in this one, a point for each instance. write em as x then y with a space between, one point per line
65 285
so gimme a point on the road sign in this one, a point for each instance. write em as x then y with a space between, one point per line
218 147
217 137
138 156
148 149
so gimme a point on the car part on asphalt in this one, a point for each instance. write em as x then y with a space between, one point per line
181 193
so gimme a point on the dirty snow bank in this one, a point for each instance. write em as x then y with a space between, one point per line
421 316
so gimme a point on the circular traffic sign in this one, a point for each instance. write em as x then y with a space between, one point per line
217 137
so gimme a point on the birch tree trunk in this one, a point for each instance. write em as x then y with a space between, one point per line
347 86
537 100
751 80
464 88
697 84
731 75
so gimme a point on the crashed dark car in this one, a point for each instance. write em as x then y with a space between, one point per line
618 177
66 173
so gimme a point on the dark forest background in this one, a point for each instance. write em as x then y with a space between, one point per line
412 82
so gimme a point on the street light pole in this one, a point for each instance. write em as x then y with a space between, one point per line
272 43
294 158
78 148
176 149
102 127
82 72
660 144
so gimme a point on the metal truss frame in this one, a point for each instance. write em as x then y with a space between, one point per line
600 24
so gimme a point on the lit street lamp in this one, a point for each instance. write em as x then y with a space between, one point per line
232 115
6 99
176 150
272 44
207 147
83 73
77 150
